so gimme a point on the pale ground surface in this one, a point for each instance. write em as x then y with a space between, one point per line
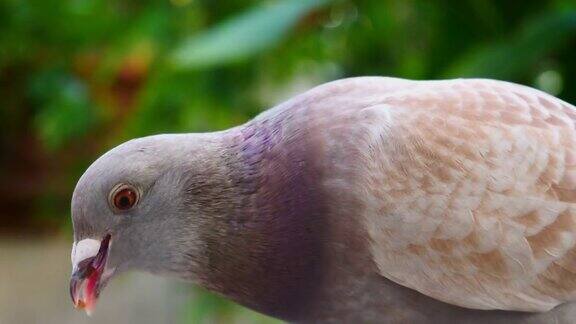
34 289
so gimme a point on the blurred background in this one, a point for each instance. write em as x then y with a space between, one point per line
78 77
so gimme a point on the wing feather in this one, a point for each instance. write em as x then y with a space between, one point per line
471 193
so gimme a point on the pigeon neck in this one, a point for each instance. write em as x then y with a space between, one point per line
271 256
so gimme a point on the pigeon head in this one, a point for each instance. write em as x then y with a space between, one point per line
224 210
130 210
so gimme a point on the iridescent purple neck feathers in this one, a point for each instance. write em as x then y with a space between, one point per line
270 257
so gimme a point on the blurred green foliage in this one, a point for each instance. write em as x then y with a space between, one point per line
207 308
242 36
79 76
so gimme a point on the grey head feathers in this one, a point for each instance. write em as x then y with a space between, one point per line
141 236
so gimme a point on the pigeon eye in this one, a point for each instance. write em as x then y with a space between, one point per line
124 197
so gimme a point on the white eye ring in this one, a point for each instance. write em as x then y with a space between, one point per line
123 197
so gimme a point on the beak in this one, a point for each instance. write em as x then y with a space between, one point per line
89 258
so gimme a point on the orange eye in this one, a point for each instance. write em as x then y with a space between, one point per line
124 197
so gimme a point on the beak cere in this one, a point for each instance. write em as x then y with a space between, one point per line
88 263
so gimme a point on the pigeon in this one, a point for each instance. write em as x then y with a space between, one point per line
362 200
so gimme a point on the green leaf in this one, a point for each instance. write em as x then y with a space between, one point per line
510 58
65 111
243 36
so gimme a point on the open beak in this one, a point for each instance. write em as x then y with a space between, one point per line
88 278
